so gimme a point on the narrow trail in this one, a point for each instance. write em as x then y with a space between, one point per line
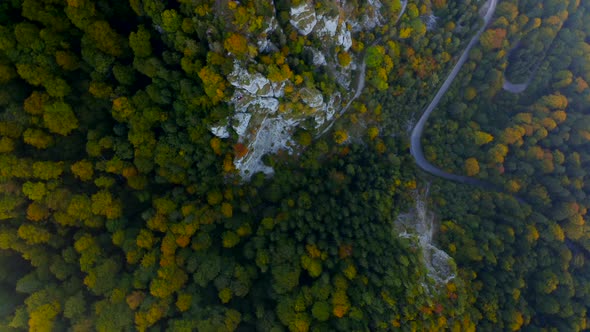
402 11
360 83
416 143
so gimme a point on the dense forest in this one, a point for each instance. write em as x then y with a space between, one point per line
530 262
200 165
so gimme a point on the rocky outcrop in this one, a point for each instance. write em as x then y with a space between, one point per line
418 226
262 104
303 18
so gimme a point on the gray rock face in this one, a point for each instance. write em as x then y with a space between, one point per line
303 18
262 104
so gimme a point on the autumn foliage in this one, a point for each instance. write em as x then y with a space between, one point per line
493 38
240 150
236 44
471 167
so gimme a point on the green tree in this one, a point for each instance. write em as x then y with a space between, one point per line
321 311
171 20
103 204
34 190
33 234
37 138
140 42
83 170
59 118
230 239
285 277
105 38
80 207
375 56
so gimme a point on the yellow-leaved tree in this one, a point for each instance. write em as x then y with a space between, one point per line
236 44
481 137
471 166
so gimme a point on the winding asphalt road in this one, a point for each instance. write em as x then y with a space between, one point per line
415 142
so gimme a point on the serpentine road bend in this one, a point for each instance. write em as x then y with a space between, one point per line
515 88
415 143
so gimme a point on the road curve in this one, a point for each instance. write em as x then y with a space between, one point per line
521 87
515 88
415 142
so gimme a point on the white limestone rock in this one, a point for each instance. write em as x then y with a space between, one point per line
263 106
328 111
263 42
274 134
373 18
254 84
241 121
312 97
318 57
327 26
344 37
220 131
303 18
